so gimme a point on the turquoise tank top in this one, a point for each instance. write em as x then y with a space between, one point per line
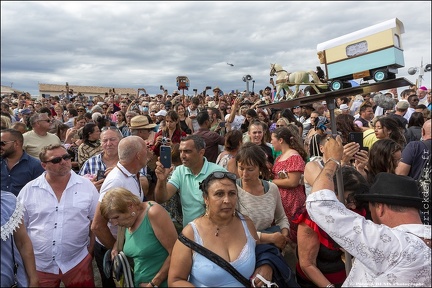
146 250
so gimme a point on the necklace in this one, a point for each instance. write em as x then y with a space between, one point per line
220 227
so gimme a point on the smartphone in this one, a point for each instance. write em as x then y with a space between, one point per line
165 156
221 124
100 175
356 137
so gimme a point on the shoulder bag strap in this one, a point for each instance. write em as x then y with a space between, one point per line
215 258
15 266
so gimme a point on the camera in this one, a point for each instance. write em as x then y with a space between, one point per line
164 140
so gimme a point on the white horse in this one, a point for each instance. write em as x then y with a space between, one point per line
285 80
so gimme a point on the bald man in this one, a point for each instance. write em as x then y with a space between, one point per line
132 154
416 154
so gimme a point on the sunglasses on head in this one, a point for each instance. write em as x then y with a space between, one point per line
216 175
57 160
109 128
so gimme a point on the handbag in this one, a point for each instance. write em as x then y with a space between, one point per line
119 268
215 259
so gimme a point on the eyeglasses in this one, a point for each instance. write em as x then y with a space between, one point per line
81 110
145 106
57 160
3 143
109 128
46 120
295 107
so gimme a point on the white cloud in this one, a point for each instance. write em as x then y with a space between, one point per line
146 44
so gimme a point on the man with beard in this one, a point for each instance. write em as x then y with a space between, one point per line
59 208
17 167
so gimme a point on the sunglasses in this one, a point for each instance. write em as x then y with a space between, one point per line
57 160
109 128
3 143
277 126
216 175
81 110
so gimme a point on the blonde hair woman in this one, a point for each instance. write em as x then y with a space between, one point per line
149 237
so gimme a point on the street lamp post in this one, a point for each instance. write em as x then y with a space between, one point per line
247 79
421 70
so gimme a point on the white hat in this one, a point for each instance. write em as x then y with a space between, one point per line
344 107
161 113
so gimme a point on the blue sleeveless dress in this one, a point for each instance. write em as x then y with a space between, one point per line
205 273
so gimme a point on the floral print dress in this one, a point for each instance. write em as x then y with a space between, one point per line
293 199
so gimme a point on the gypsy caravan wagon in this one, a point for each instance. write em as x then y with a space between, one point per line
373 53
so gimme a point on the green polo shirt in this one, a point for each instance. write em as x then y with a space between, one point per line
191 197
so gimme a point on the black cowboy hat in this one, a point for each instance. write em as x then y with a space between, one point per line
393 189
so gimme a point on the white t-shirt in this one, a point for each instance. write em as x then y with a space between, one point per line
237 122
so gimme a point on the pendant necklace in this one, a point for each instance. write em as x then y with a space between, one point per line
217 227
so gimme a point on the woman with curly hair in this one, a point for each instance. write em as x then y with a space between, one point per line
384 156
287 172
388 128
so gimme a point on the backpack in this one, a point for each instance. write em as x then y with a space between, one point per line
424 188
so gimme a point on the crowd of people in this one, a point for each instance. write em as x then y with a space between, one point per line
82 180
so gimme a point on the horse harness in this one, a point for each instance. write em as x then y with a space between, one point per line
285 80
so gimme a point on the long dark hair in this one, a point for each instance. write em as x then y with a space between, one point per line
285 134
86 131
345 124
392 126
287 113
381 158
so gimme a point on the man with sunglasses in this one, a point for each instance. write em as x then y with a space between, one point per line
39 137
413 101
59 208
17 167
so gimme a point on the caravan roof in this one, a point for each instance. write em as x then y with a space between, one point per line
392 23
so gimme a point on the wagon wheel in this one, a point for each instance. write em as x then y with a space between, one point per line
336 85
380 75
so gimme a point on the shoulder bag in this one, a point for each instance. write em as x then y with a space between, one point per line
214 258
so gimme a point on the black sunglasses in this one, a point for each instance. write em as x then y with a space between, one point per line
3 143
216 175
57 160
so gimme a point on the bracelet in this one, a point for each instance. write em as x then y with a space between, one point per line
151 283
330 285
334 160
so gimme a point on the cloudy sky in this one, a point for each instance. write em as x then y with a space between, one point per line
148 44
